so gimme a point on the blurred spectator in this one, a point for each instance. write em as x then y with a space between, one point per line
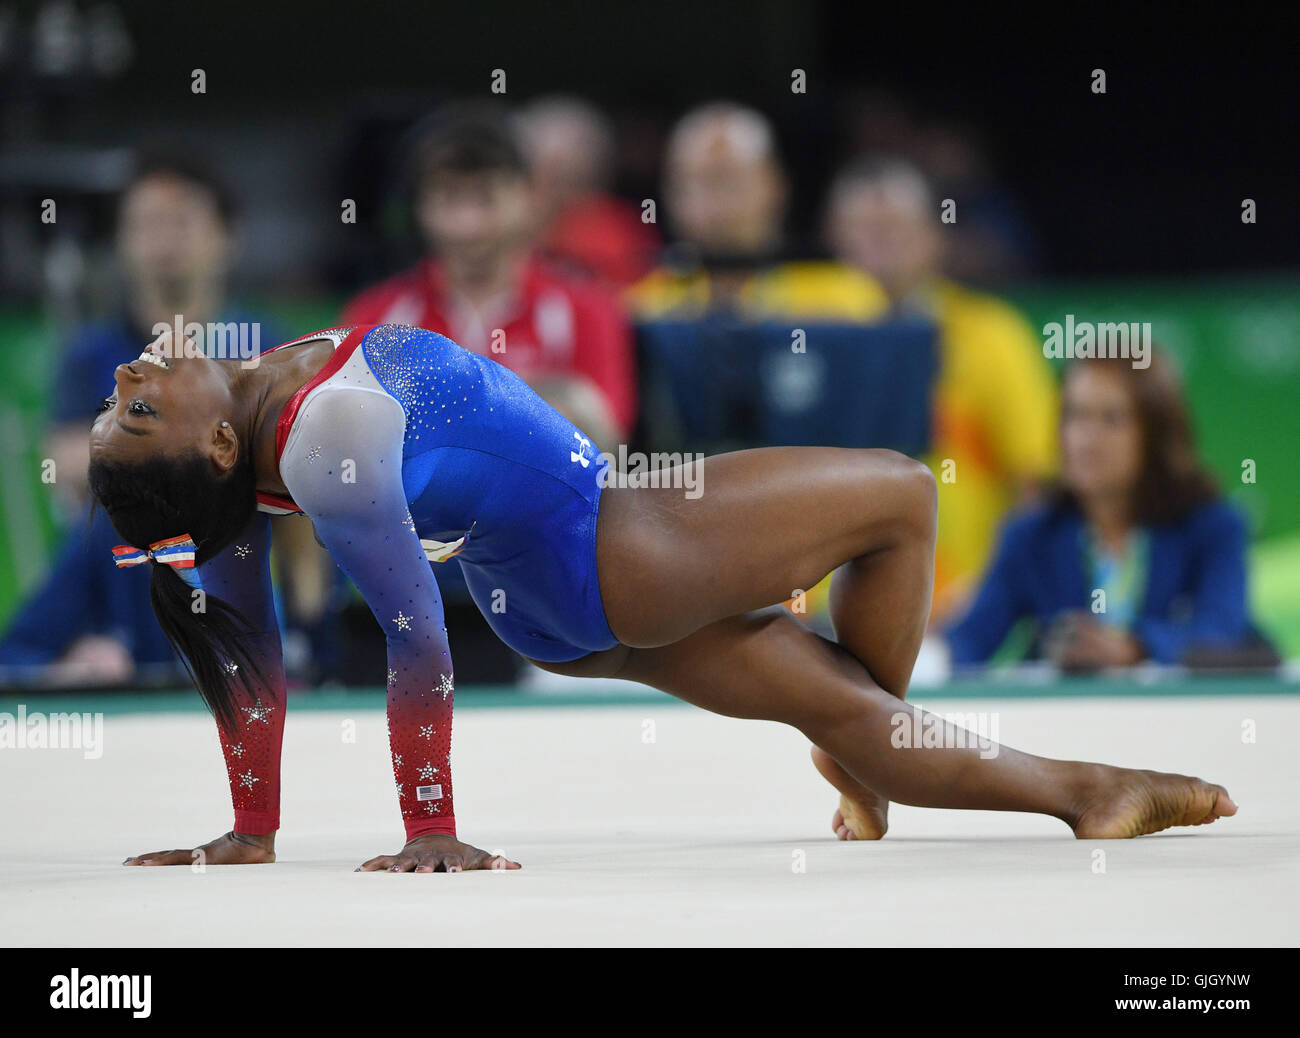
994 400
176 242
582 227
991 241
483 287
725 191
105 625
1134 555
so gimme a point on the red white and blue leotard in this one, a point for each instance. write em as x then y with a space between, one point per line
406 448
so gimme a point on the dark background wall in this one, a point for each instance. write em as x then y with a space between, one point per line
305 101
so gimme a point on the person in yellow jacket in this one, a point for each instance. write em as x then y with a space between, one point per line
994 402
726 193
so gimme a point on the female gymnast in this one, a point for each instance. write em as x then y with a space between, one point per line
403 448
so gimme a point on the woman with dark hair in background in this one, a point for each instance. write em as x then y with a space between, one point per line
1134 556
404 448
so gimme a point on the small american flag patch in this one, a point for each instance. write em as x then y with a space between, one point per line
428 792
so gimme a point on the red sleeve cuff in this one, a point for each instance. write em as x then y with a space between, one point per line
257 823
424 826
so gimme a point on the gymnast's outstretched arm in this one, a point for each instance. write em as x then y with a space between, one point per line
342 465
240 576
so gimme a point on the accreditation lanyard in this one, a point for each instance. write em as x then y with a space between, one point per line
1121 576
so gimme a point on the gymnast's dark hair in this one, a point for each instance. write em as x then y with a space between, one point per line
166 496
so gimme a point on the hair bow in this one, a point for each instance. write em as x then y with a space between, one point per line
174 551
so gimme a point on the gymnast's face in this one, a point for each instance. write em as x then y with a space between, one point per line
173 403
1101 436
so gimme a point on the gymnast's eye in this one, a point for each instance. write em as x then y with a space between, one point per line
139 407
109 401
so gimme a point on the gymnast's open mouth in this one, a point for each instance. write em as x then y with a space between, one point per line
149 357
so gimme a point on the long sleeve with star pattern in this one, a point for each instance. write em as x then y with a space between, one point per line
342 465
240 575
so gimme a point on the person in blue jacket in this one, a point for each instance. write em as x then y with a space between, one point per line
83 623
176 239
1134 555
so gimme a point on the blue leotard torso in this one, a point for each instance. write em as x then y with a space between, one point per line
483 457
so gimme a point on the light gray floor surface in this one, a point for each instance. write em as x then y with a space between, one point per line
649 825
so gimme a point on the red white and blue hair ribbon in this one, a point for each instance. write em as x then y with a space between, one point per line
174 551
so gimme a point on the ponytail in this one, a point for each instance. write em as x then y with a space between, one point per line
165 496
210 636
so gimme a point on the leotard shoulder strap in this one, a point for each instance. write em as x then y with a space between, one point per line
345 341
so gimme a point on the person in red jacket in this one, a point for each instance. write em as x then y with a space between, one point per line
484 287
583 228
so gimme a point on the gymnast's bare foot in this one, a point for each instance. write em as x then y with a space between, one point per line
1126 803
863 814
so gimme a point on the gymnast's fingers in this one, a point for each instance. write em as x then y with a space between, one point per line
482 860
173 857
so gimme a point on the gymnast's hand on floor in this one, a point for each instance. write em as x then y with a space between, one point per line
437 852
231 849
